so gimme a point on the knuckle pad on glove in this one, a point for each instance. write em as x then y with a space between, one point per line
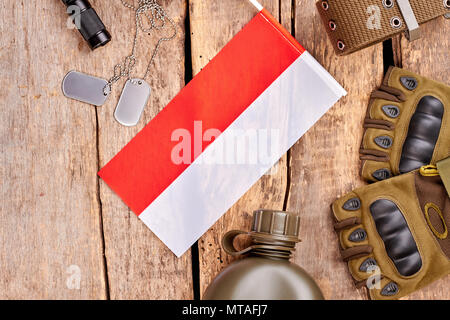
376 170
363 268
378 139
385 289
385 110
347 207
352 237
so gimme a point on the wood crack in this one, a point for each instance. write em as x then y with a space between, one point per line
288 155
188 75
288 180
102 231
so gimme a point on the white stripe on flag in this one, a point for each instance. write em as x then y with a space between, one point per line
205 190
257 5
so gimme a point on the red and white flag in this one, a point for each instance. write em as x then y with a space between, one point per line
222 132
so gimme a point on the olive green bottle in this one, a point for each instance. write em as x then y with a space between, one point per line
266 273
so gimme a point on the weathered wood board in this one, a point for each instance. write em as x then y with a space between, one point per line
325 163
139 265
213 25
55 220
50 230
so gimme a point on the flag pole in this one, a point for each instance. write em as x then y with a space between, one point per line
257 4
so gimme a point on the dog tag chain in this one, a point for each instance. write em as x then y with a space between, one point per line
136 91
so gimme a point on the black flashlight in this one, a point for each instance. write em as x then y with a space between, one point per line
88 23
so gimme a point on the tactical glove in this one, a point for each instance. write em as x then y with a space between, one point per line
394 233
407 125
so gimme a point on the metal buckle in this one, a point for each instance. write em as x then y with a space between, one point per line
413 32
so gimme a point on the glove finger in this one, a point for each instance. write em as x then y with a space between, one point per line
385 289
381 109
380 140
373 170
366 273
352 235
347 207
376 154
363 268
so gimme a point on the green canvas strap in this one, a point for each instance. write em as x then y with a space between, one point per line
356 24
444 171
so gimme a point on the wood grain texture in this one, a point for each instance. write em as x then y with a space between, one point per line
429 57
213 25
49 213
324 164
139 265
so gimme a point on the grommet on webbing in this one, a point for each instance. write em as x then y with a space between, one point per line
447 6
332 25
388 4
413 32
396 23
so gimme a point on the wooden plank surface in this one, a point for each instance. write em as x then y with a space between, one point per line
139 265
324 164
50 231
429 57
213 24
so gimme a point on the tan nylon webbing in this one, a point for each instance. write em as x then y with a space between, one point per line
444 171
354 17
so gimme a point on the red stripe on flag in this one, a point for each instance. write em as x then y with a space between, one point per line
282 30
244 68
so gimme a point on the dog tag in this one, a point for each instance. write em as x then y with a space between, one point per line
85 88
132 102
